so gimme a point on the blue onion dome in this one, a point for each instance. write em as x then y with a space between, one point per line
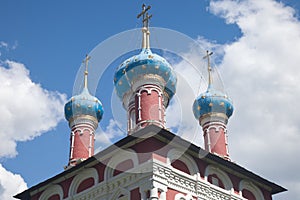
146 66
83 104
212 101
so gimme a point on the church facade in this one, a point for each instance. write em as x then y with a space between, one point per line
151 162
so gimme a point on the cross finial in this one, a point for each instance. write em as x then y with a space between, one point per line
207 56
145 15
86 62
145 29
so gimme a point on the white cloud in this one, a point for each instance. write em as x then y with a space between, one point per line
10 184
7 47
260 71
3 44
27 110
104 138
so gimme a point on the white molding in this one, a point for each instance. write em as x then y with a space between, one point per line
210 169
181 196
175 154
154 174
187 184
245 184
122 155
120 191
53 190
83 175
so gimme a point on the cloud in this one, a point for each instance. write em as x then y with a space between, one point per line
27 110
7 47
3 44
10 184
103 138
260 71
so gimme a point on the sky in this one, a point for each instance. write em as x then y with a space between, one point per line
256 47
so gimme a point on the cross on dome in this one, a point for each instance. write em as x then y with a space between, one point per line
146 16
207 56
145 29
86 61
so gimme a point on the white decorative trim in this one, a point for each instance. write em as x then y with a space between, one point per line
120 191
210 169
149 89
175 154
72 144
149 79
121 156
187 184
81 128
83 175
53 190
181 196
161 177
83 120
244 184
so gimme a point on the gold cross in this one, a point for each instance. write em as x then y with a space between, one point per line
207 56
86 61
145 15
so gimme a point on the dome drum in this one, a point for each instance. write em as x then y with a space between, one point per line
83 119
213 117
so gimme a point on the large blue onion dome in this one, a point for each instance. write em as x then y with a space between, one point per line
83 104
146 66
212 101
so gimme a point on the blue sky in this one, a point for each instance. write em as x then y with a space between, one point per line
51 38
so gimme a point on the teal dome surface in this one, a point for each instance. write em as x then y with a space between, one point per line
144 63
84 104
212 101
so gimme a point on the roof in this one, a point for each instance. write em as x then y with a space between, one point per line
163 135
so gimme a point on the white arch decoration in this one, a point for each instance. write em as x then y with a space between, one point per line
119 157
175 154
181 196
210 169
244 184
83 175
53 190
120 191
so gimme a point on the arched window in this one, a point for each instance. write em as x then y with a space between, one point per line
123 166
182 162
120 194
250 191
85 184
54 192
54 197
217 177
180 196
84 180
178 164
114 167
215 180
248 194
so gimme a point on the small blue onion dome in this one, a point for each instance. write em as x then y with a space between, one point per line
212 101
83 104
145 63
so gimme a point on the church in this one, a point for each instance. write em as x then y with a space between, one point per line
151 162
